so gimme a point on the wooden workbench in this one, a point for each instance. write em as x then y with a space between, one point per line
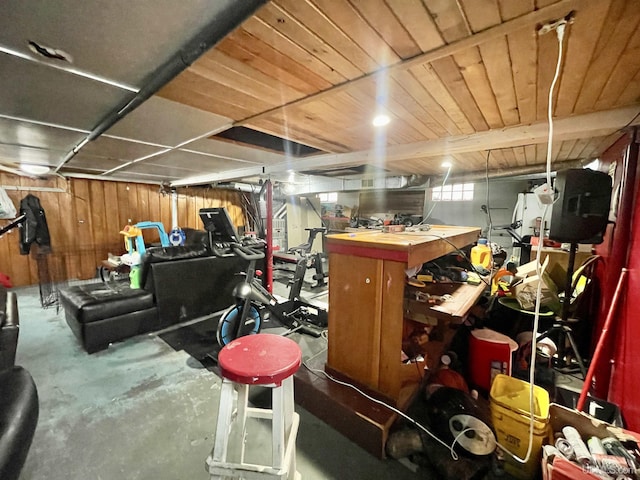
366 321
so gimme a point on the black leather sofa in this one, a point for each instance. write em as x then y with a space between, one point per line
19 406
178 284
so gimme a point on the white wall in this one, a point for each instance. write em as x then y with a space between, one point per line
300 215
503 194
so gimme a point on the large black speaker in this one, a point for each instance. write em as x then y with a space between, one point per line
581 211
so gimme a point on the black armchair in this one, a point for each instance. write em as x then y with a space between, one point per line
18 419
9 328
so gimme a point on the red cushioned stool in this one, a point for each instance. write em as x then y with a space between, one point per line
261 359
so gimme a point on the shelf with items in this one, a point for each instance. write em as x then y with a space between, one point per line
439 307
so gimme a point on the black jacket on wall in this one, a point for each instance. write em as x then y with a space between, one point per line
35 227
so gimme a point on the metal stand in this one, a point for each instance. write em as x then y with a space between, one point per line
562 325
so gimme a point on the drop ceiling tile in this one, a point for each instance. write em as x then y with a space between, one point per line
144 177
16 154
165 122
119 149
234 151
166 172
34 92
15 132
119 39
92 163
195 162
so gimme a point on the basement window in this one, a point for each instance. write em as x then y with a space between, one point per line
458 192
328 197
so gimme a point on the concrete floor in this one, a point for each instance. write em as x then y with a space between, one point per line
140 410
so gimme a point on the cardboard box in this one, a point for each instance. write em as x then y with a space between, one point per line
525 290
558 468
559 262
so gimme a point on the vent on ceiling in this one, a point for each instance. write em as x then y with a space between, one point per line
255 138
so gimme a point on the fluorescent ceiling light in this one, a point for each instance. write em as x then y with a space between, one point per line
35 169
381 120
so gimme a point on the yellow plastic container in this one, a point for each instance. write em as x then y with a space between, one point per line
481 254
509 403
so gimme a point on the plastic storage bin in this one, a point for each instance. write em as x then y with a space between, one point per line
509 404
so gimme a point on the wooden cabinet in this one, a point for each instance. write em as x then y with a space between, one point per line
366 294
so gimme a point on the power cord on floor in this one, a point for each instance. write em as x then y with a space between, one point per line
320 373
421 427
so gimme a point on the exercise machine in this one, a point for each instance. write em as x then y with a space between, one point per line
302 254
253 304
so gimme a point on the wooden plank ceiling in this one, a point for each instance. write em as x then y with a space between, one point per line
465 81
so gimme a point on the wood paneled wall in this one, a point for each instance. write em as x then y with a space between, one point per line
85 218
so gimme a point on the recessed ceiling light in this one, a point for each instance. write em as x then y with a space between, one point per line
35 169
381 120
446 165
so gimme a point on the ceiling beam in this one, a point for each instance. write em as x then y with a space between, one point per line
594 124
588 125
551 12
221 177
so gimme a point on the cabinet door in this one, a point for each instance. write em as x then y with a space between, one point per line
355 307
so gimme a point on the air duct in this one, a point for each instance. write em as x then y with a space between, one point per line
514 172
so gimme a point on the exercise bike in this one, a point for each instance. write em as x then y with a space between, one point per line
253 303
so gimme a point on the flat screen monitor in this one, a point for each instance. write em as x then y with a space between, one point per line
219 225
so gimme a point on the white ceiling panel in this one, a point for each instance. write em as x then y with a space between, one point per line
234 151
16 154
118 149
165 173
93 163
195 162
168 123
119 39
14 132
164 177
34 92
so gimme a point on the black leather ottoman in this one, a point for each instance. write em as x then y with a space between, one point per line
99 314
